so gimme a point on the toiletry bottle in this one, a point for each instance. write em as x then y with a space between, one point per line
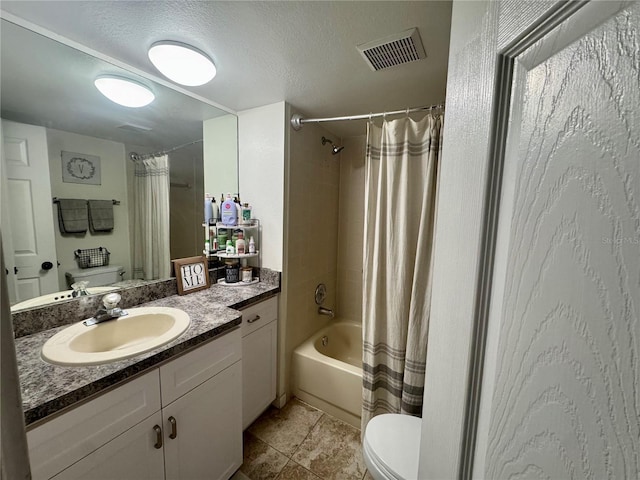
215 247
215 211
229 213
240 244
230 249
208 212
252 245
206 247
238 207
246 214
222 238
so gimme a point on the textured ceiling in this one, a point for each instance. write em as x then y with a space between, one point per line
302 52
55 89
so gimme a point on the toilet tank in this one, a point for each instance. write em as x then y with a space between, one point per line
97 276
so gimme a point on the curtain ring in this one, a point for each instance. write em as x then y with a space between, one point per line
370 115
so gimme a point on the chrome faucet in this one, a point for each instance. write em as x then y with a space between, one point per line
326 311
109 311
79 289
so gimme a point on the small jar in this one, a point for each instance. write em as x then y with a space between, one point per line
232 272
247 274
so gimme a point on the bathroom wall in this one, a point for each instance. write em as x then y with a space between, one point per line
114 186
351 228
221 155
261 153
311 233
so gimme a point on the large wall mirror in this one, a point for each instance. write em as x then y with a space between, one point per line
51 111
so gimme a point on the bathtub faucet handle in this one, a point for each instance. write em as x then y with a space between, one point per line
326 311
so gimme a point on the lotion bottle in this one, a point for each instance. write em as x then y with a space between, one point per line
252 245
229 214
240 245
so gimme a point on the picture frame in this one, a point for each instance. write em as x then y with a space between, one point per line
81 168
192 274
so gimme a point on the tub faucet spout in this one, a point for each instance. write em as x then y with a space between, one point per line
326 311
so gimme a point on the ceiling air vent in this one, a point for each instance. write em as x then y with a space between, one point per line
394 50
132 127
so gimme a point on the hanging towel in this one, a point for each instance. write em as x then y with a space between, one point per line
101 215
72 215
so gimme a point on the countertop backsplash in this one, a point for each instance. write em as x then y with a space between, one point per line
34 320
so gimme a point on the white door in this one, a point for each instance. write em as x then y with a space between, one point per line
7 241
556 393
28 220
134 455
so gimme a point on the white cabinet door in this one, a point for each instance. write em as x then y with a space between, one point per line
134 455
206 425
259 355
73 435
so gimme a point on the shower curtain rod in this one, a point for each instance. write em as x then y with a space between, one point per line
134 156
297 120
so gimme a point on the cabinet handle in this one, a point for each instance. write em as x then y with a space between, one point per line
174 428
158 430
254 319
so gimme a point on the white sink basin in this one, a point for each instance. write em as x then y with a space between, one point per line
143 329
57 296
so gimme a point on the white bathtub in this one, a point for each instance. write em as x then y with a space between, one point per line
329 376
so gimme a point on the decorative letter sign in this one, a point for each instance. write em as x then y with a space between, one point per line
192 274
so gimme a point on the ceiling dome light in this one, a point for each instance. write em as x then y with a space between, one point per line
123 91
182 63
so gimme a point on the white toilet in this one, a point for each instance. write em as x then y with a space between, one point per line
96 276
391 447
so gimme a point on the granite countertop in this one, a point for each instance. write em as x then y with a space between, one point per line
47 389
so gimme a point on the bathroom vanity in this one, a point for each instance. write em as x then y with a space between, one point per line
181 420
173 412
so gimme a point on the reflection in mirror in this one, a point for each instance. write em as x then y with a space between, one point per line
61 138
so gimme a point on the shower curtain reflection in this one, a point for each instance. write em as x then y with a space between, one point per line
151 257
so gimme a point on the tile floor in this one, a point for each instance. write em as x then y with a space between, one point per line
300 442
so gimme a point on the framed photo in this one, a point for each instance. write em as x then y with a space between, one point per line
192 274
81 168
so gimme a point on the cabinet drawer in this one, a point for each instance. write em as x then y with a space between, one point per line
66 439
259 315
194 368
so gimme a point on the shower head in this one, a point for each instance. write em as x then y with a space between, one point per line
334 148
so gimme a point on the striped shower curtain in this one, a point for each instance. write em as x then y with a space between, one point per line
151 255
400 203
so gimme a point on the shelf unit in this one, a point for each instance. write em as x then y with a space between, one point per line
249 230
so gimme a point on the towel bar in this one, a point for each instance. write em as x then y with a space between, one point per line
115 202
